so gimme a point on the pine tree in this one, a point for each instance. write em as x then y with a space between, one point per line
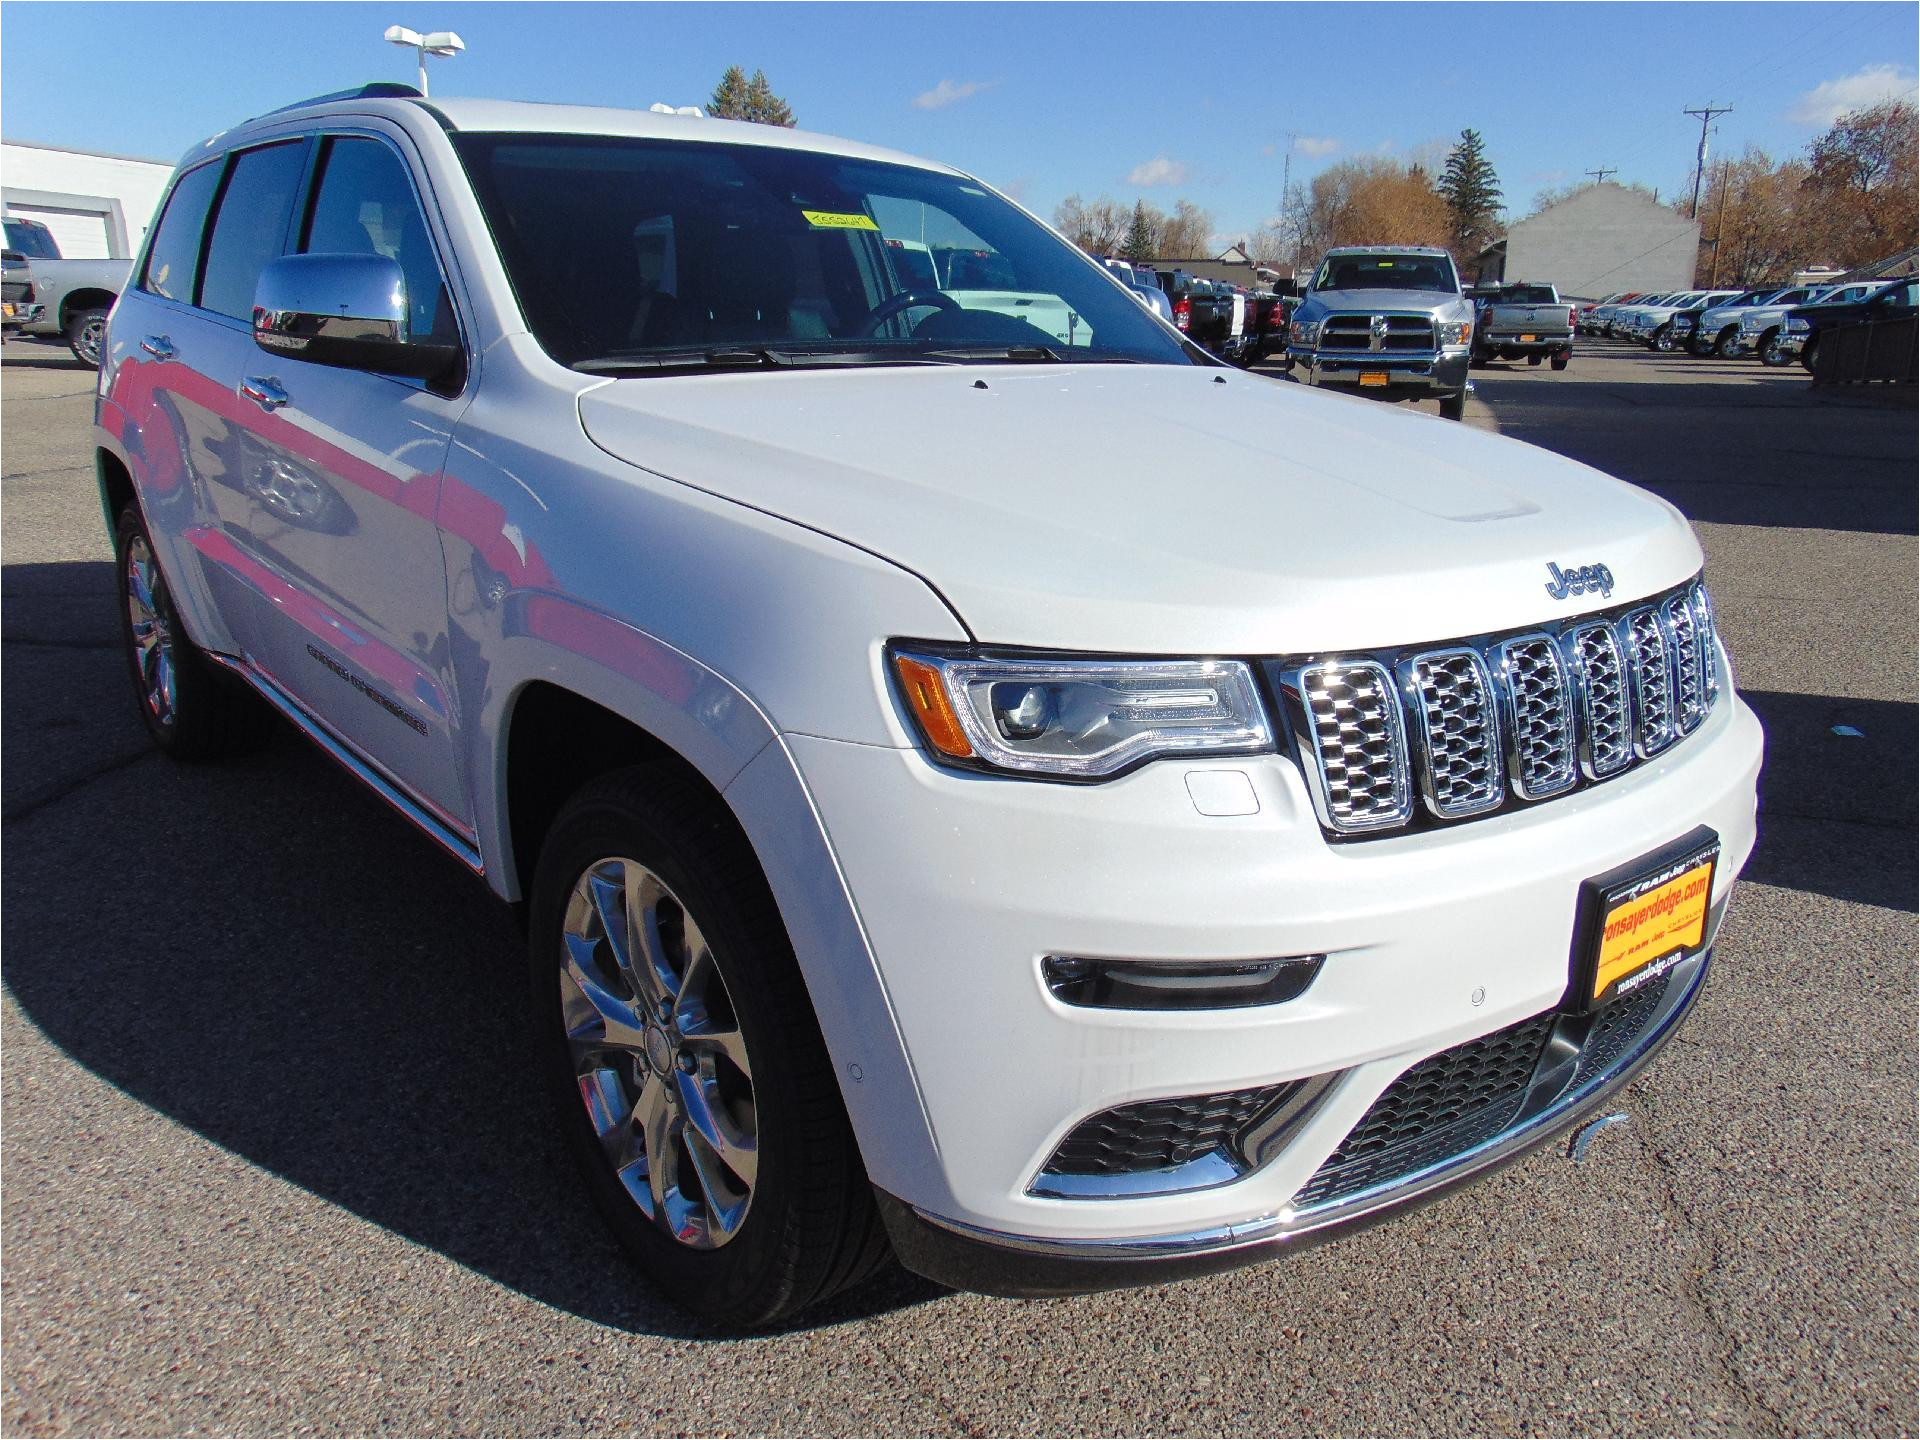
1139 246
1472 193
738 98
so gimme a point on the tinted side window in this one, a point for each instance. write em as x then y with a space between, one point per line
365 206
250 226
175 253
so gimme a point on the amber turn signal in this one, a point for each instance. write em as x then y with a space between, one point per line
927 698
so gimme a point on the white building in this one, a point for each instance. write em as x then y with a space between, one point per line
97 206
1599 241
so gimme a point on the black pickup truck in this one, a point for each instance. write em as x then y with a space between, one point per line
1202 310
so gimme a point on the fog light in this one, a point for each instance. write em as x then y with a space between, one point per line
1178 984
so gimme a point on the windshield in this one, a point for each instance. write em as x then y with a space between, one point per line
34 241
1528 295
1386 272
663 253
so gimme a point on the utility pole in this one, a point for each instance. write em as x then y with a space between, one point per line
1706 114
1286 199
1720 228
1600 174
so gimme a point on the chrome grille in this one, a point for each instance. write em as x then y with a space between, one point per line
1474 726
1652 671
1397 333
1358 744
1542 717
1607 734
1458 731
1689 689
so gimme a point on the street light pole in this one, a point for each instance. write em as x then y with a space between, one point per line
441 43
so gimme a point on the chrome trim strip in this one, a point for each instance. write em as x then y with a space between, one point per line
462 848
1275 1227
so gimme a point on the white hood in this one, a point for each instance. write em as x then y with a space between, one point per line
1156 509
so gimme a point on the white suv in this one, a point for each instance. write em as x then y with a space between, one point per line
1023 792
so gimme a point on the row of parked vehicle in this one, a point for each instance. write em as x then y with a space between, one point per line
1775 323
1231 321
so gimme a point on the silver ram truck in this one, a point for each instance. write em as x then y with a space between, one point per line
68 299
1522 320
1388 320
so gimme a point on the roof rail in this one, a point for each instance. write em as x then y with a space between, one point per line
377 90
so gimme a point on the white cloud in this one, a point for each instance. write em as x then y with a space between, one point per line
948 92
1831 99
1158 171
1317 145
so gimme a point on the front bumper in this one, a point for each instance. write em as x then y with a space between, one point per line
1408 375
962 883
1574 1078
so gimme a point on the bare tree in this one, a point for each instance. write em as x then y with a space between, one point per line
1861 182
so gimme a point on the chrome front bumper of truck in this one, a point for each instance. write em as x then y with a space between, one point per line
1428 374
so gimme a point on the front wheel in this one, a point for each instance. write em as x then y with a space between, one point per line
678 1043
1453 407
1723 344
1772 353
1662 340
1808 351
87 336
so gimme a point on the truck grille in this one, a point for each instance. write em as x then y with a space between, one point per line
1472 728
1397 333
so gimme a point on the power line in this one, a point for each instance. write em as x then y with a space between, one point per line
1600 174
1706 114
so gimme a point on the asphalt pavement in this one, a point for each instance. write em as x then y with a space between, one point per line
269 1162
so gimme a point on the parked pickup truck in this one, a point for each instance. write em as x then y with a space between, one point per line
1200 312
1386 320
929 839
16 292
1523 320
73 296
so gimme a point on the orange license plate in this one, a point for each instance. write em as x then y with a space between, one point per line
1374 377
1528 339
1647 918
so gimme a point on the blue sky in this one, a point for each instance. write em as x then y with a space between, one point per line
1039 99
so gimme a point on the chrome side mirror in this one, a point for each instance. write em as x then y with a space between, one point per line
348 311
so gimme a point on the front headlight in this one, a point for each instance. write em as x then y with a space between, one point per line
1455 332
1078 719
1305 332
1797 324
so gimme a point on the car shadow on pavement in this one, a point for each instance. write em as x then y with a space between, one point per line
262 952
34 355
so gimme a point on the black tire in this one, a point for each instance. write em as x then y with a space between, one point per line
810 1228
1453 407
1770 353
1533 359
1724 342
192 710
86 336
1808 351
1561 359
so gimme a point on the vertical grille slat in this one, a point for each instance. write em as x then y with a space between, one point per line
1461 772
1607 744
1544 759
1467 728
1652 670
1358 744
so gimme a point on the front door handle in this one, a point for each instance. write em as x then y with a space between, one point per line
264 392
159 346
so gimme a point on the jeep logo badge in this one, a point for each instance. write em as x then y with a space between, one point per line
1583 581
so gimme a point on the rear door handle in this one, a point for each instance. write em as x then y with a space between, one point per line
159 346
264 392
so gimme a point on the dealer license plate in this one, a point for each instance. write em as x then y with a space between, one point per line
1373 377
1644 918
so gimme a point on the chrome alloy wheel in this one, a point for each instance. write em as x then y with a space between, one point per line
657 1051
152 633
89 340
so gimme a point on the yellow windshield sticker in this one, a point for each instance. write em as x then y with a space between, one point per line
830 220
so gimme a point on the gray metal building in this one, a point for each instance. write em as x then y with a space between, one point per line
1602 240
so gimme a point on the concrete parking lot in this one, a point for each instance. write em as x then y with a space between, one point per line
270 1164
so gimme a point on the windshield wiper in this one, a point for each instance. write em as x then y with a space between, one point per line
743 359
1014 354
